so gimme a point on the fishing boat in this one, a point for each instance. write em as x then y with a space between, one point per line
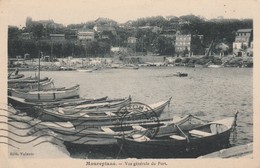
27 106
27 80
46 95
215 66
84 70
24 86
105 135
93 119
109 105
182 143
18 76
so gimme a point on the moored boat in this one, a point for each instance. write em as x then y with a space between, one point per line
28 106
109 105
180 74
182 143
18 76
27 80
105 135
48 84
46 95
215 66
93 119
84 70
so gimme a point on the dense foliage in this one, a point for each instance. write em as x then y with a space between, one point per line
149 39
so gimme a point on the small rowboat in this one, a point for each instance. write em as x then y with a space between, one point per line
193 142
46 95
28 106
101 107
105 135
32 86
180 74
18 76
100 119
84 70
26 80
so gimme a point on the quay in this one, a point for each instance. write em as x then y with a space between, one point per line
242 151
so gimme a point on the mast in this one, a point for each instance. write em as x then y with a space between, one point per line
39 66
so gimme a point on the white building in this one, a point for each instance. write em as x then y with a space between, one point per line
87 35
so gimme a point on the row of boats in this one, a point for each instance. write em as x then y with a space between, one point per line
105 122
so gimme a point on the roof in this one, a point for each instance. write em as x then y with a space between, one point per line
244 30
86 30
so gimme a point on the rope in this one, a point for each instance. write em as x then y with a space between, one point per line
121 148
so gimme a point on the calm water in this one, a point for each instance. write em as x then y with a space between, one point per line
212 93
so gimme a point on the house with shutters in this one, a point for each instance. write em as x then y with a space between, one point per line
243 44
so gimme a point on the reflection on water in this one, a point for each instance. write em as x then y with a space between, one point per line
211 93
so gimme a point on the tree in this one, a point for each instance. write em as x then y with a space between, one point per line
37 30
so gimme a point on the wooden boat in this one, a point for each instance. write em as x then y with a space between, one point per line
27 106
215 66
93 119
180 74
84 70
27 80
18 76
105 135
110 105
182 143
48 84
65 68
46 95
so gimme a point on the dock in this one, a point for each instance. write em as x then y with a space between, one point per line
242 151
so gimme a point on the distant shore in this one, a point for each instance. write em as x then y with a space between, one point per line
100 63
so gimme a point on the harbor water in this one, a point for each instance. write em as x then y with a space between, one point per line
209 93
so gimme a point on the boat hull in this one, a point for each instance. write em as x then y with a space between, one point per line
32 86
46 95
85 120
28 106
175 149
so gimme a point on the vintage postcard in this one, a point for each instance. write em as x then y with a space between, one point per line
116 83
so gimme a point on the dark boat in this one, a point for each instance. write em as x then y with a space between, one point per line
182 143
28 106
180 74
105 135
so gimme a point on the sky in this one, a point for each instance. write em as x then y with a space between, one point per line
80 11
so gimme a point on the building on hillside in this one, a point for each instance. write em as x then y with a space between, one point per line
57 37
104 28
71 34
188 45
86 35
132 40
243 43
169 33
132 45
